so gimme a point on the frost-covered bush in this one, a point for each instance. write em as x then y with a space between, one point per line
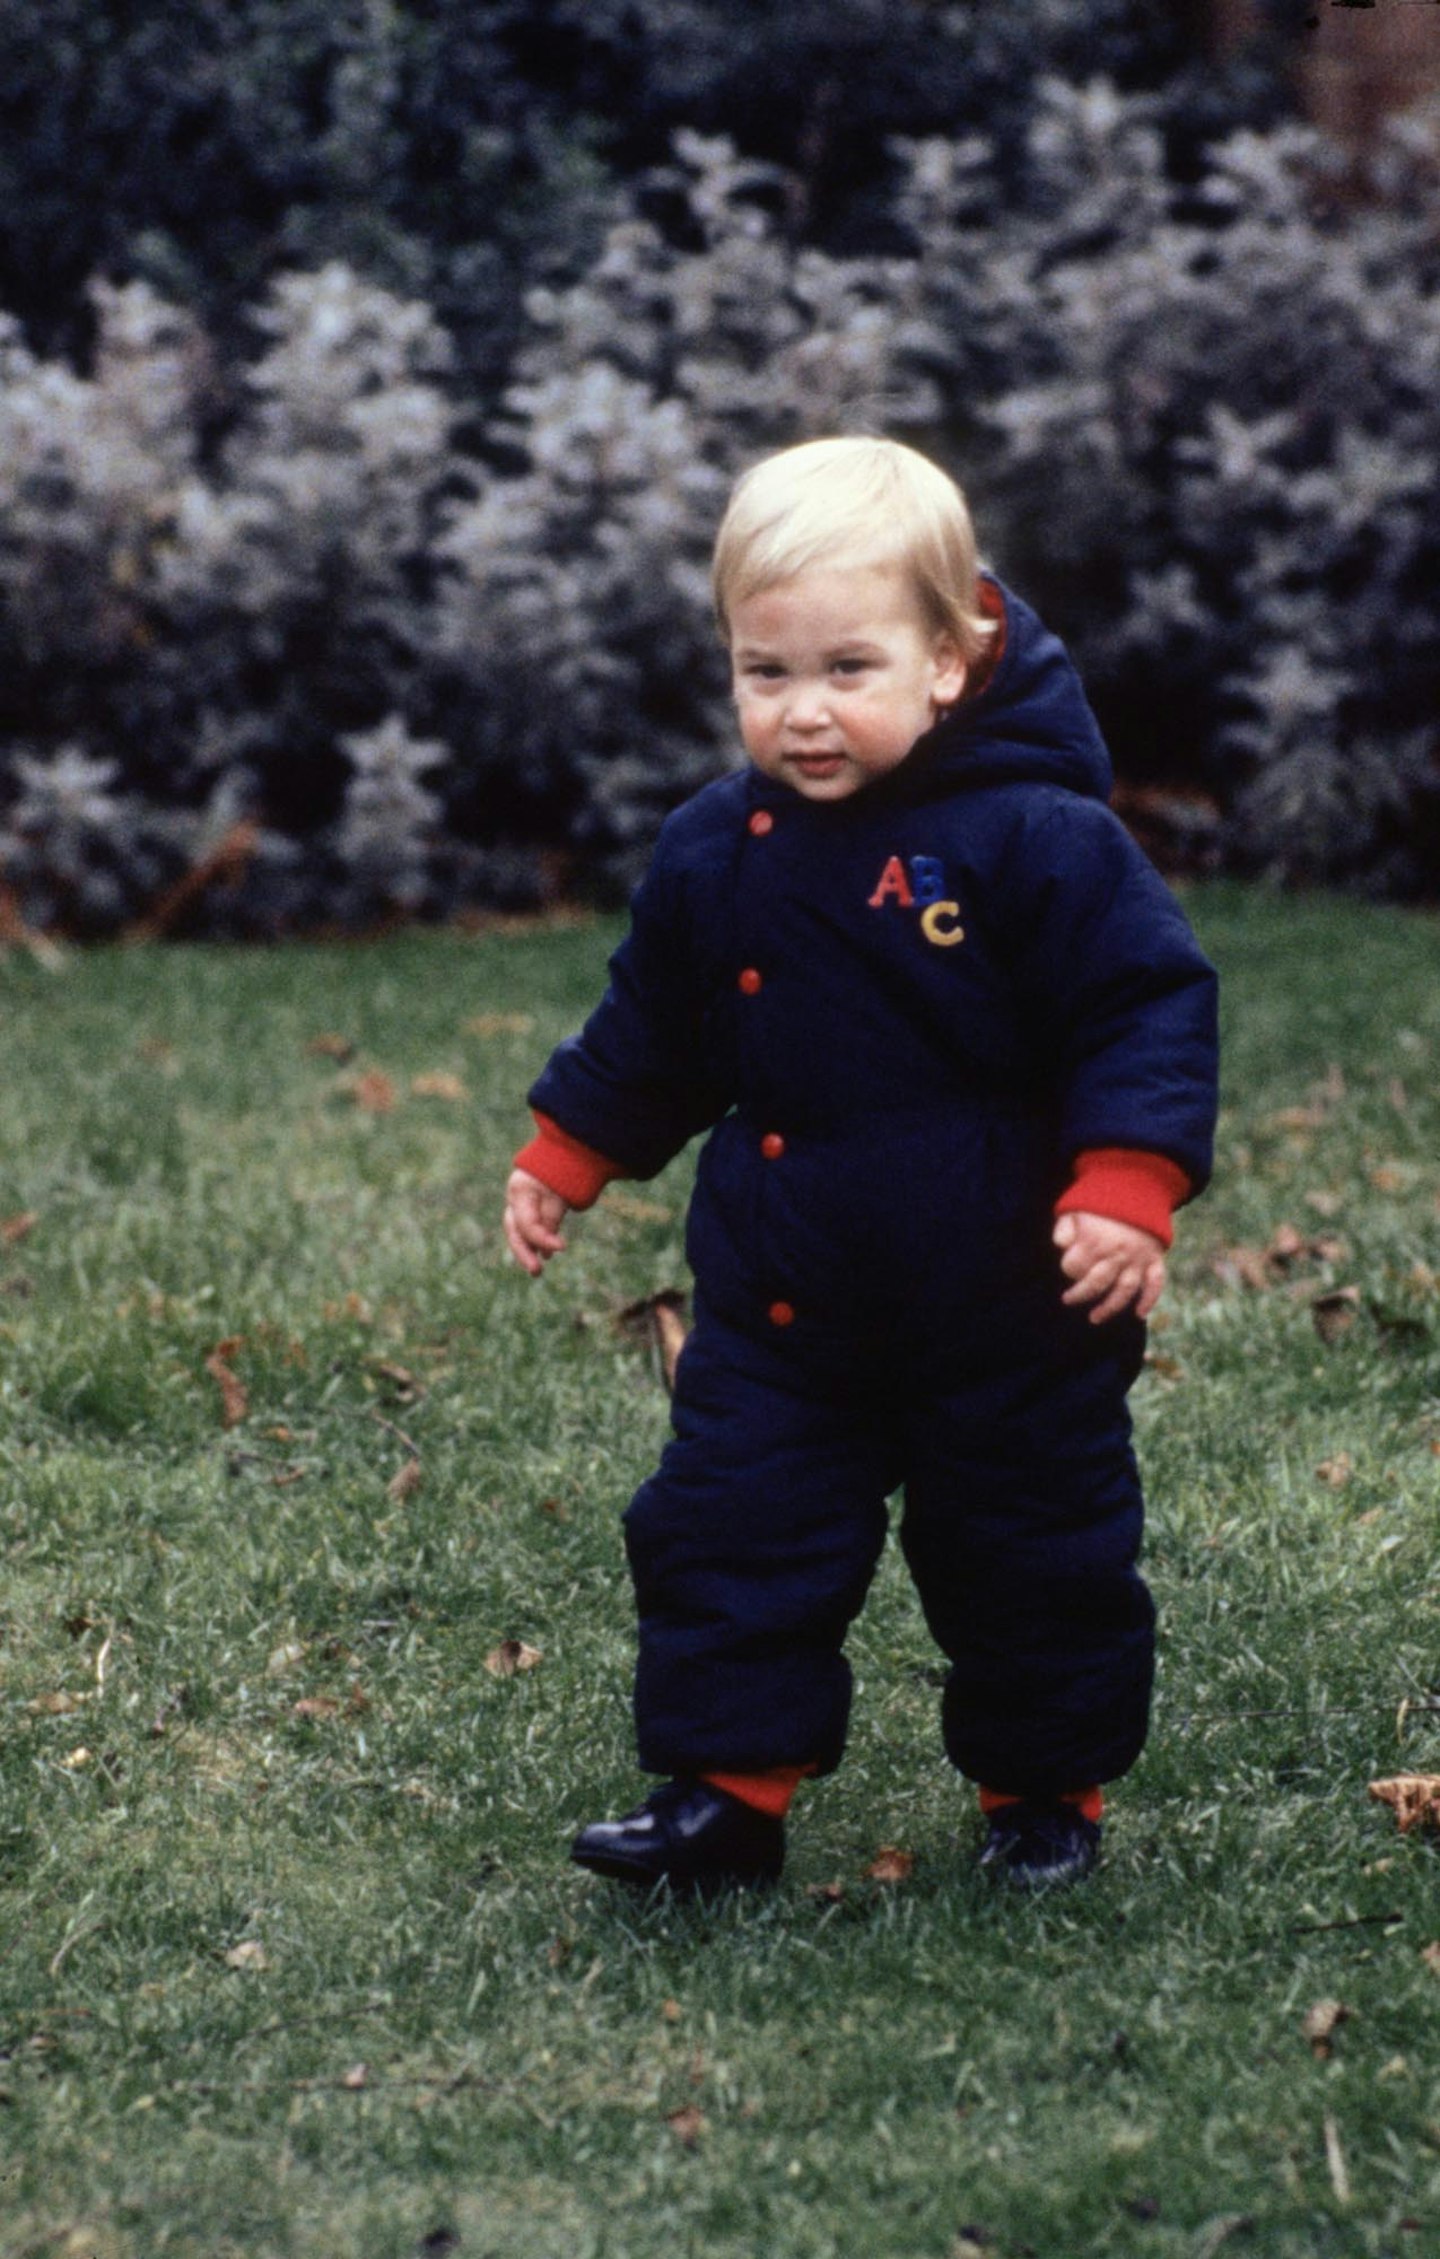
579 613
1202 423
211 636
319 639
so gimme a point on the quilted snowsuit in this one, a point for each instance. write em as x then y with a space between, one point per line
901 1016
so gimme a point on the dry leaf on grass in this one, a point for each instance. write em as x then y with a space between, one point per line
373 1092
890 1865
1164 1367
250 1954
1335 1313
658 1320
1392 1176
13 1228
331 1047
510 1656
830 1893
408 1386
438 1085
234 1402
1337 1471
316 1706
283 1659
1319 2023
1414 1798
405 1481
357 2076
54 1705
1325 1203
1430 1955
687 2124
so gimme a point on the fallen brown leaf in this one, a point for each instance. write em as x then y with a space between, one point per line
357 2076
830 1893
658 1320
13 1228
76 1760
671 2010
1337 1471
1414 1798
1242 1266
1165 1368
1430 1955
510 1656
1325 1203
331 1047
1319 2023
1296 1118
405 1481
687 2124
249 1954
1335 1313
1392 1176
438 1085
408 1386
373 1092
234 1401
283 1659
890 1865
315 1706
54 1705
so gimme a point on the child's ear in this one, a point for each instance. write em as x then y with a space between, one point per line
951 670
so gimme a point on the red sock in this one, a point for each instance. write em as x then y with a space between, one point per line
764 1792
1088 1802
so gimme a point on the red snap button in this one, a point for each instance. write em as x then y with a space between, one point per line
750 982
761 822
772 1145
782 1314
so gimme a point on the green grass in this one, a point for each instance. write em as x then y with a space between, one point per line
901 2071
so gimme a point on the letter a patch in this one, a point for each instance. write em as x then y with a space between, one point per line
894 886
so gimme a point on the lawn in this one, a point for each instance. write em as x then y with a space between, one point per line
293 1961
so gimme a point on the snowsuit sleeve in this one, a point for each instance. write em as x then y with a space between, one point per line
640 1080
1122 996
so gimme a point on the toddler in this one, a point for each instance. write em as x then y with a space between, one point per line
954 1045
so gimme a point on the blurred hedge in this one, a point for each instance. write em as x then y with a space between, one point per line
363 621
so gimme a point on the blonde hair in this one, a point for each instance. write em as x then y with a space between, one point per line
866 501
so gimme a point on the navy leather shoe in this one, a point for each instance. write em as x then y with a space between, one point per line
686 1834
1038 1846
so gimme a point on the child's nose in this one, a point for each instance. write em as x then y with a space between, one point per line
809 707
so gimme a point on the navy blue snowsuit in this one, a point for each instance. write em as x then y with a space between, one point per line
901 1016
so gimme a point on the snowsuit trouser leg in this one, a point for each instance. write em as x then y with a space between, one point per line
752 1548
1022 1528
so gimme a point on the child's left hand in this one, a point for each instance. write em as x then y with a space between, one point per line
1111 1264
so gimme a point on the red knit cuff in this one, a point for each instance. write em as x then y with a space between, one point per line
1143 1189
770 1792
577 1172
1088 1802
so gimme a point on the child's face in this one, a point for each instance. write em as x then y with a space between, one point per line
836 673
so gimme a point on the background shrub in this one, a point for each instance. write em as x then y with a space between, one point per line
318 607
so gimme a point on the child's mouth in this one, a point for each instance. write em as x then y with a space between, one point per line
818 765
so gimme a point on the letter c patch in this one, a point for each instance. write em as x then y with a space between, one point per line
940 923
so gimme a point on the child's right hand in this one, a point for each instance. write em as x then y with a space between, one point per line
533 1216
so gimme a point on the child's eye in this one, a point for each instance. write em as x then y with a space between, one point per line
851 666
763 670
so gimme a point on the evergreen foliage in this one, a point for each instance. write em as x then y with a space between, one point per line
352 559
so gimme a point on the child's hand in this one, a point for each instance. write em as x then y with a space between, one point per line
533 1216
1111 1264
